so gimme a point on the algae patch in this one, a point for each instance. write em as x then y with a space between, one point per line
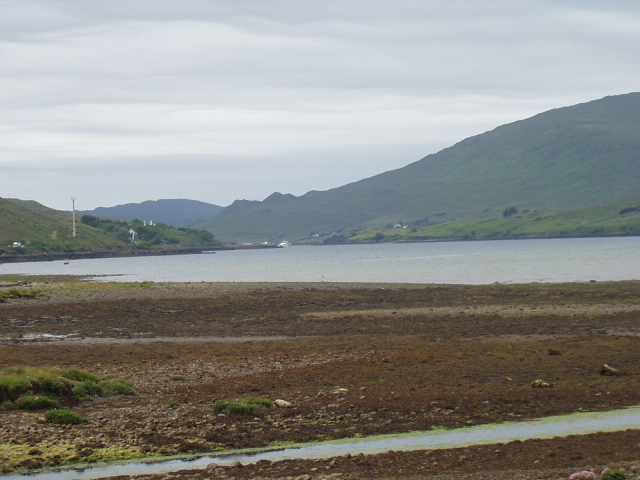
41 455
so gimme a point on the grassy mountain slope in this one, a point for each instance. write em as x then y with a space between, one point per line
615 218
43 230
565 158
175 212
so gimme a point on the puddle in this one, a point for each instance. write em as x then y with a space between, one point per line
40 337
74 338
574 424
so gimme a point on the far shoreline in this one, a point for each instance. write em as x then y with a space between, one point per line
44 257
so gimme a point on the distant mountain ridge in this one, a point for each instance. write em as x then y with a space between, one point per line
566 158
174 212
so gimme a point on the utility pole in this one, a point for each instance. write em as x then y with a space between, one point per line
73 204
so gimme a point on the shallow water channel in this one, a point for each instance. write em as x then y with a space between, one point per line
574 424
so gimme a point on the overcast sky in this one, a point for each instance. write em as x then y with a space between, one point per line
122 101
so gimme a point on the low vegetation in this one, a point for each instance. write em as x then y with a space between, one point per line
19 293
30 388
617 218
27 227
64 417
241 408
608 474
143 234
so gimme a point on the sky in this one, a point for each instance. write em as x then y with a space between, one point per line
123 101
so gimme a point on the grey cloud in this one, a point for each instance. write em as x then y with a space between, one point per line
227 88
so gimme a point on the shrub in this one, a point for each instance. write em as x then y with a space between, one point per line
510 211
64 417
627 210
613 474
37 402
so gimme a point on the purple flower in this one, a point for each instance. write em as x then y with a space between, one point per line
584 475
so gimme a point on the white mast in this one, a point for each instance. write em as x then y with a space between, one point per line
73 203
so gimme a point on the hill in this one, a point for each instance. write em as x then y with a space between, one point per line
615 218
29 228
174 212
562 159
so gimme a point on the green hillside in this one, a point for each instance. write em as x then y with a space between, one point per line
174 212
38 229
615 218
562 159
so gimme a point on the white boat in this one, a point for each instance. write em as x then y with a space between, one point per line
284 244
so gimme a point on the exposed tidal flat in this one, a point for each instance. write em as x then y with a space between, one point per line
353 360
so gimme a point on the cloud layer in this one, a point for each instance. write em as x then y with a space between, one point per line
116 102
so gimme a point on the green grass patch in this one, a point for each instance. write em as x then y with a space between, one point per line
36 402
241 408
234 408
117 386
79 375
27 293
16 457
38 388
64 417
261 402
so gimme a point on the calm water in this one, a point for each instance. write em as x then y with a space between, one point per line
506 261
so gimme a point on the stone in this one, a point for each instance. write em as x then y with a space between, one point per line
541 384
282 403
609 370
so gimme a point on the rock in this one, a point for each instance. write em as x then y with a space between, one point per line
211 466
282 403
609 370
541 384
236 464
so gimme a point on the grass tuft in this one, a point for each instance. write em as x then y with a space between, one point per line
36 402
64 417
116 386
33 388
234 408
261 402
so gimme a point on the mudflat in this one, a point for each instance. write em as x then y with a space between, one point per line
350 359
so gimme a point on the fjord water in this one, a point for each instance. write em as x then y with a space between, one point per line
472 262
